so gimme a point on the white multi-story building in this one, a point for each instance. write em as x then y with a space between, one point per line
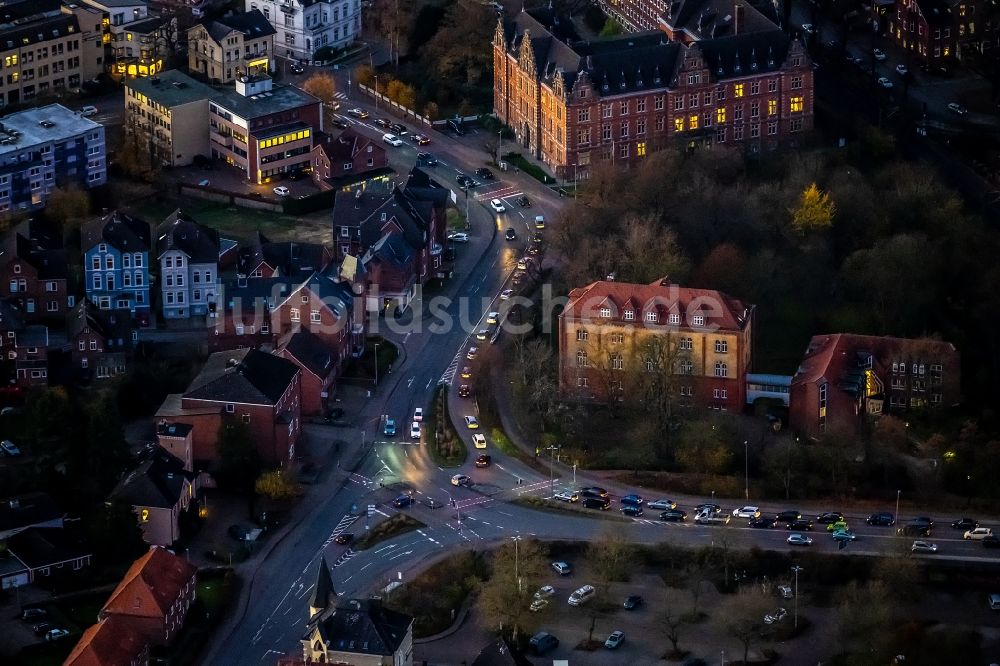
303 26
188 254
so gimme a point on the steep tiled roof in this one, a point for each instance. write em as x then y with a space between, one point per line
181 232
310 352
247 376
500 653
344 147
706 19
158 481
362 627
48 262
291 259
151 585
720 311
252 24
122 232
110 642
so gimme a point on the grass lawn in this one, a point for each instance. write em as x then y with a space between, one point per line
387 529
456 220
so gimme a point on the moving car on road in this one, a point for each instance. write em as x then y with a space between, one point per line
879 55
662 504
357 113
633 500
510 235
799 540
420 139
389 429
957 108
965 524
392 140
597 503
673 515
830 517
344 538
497 206
479 440
458 237
88 111
461 480
799 525
402 501
923 547
562 568
418 414
282 191
427 159
485 173
977 534
483 460
844 535
746 512
633 511
882 518
414 430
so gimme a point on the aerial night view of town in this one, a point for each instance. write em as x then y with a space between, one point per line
499 332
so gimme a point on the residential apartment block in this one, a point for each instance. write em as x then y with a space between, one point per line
34 273
265 130
845 381
169 114
46 48
571 103
304 26
611 333
136 41
116 263
47 146
224 49
188 254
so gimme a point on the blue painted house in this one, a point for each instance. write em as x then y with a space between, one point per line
116 264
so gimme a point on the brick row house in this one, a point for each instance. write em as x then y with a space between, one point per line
397 234
348 154
116 263
262 390
264 259
611 333
34 274
845 381
571 103
100 341
24 351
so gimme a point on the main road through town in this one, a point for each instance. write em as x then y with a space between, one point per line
272 620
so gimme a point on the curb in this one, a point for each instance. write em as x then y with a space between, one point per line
460 617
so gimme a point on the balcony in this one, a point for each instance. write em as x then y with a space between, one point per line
221 139
288 8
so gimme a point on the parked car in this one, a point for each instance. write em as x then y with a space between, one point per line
42 628
458 237
902 70
33 613
510 235
662 504
538 604
582 595
414 430
746 512
829 517
807 28
282 191
884 82
479 440
785 591
392 140
398 129
357 113
777 616
567 496
761 522
632 511
56 634
382 122
994 601
296 68
914 529
402 501
923 547
523 201
707 506
420 140
978 534
427 159
506 294
614 640
562 568
797 539
673 515
800 525
597 503
543 642
9 448
483 460
879 55
633 500
788 516
957 108
485 173
88 111
344 538
882 519
594 491
839 525
497 206
545 592
389 429
632 602
964 524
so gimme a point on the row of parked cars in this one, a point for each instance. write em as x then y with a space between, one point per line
40 624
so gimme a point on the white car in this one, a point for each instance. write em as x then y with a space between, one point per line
776 616
807 28
662 504
545 591
562 568
567 496
923 547
282 191
461 480
614 640
506 294
414 430
88 111
978 534
479 440
392 140
799 540
582 595
746 512
458 237
879 55
497 206
471 422
884 82
493 318
418 414
357 113
902 70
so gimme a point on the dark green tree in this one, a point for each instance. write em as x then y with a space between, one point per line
239 463
113 531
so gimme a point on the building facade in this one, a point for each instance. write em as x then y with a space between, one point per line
225 49
44 147
188 255
617 99
159 490
100 341
613 337
937 32
304 26
34 274
348 154
265 130
167 114
116 263
847 381
47 48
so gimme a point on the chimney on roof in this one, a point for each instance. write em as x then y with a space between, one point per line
738 10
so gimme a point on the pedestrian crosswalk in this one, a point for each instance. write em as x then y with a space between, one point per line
501 192
341 96
449 375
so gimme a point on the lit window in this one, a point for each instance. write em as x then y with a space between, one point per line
693 121
640 149
720 115
738 90
796 104
678 124
772 107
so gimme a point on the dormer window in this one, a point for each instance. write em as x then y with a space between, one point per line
606 312
102 247
629 314
698 320
675 318
651 317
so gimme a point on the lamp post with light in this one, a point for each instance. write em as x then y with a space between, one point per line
796 569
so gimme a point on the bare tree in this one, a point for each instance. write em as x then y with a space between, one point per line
673 622
743 615
505 599
660 357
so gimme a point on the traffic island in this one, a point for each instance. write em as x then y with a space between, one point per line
542 504
443 442
387 529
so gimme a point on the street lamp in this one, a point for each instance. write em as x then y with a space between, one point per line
517 572
376 93
574 474
796 569
552 481
500 148
376 364
746 469
896 517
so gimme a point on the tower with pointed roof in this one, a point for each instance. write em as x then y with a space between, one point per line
324 595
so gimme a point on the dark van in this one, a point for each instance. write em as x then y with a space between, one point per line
543 642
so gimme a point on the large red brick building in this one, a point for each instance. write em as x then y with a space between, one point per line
610 333
572 103
936 32
34 272
846 380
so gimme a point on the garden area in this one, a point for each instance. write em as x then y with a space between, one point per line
443 442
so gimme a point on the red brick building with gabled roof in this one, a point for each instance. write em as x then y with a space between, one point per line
154 595
608 330
111 642
349 154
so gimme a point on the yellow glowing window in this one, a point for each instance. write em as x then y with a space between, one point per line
14 77
640 149
720 116
679 124
947 50
132 70
796 104
693 121
10 61
738 90
128 36
772 107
